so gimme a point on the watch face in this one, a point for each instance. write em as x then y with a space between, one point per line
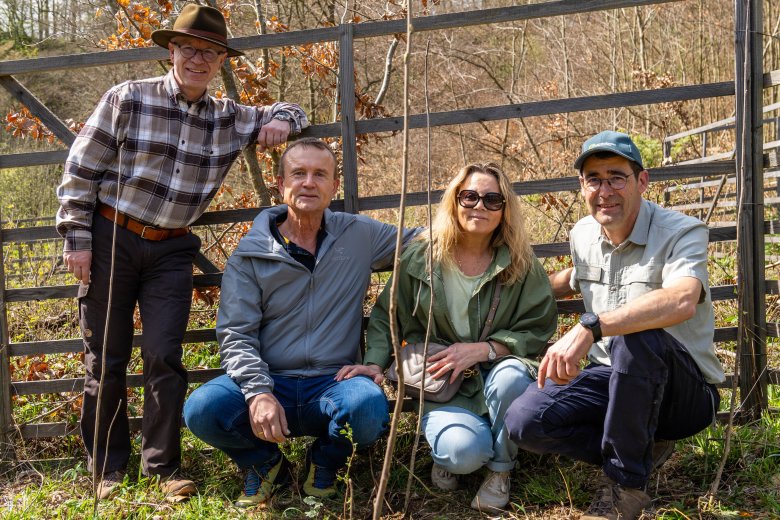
589 319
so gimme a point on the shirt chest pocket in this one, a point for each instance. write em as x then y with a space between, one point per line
589 280
642 279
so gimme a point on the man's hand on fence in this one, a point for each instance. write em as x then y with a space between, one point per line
78 263
372 371
267 418
273 133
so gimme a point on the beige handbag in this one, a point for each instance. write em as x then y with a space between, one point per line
414 365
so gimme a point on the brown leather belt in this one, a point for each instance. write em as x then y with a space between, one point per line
139 228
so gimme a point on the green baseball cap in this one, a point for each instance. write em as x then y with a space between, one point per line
609 141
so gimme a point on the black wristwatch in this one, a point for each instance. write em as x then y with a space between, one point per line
590 320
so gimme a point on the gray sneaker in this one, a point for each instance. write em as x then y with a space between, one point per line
443 479
493 494
615 502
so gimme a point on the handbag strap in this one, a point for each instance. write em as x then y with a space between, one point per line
492 312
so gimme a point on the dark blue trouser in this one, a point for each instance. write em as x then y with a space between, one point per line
610 416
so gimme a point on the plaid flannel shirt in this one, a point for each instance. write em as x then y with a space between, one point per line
172 155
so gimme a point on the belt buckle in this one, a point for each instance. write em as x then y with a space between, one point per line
143 231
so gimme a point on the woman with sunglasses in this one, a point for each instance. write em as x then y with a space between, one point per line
479 241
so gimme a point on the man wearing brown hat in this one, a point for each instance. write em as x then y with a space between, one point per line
146 165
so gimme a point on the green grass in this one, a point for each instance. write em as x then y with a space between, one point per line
542 486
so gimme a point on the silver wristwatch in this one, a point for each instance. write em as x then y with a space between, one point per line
492 351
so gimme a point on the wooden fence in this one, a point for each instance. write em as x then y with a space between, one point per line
750 227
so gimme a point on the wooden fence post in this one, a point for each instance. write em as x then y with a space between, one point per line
347 96
751 334
7 451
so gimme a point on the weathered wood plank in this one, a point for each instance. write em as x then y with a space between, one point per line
7 451
750 219
718 293
365 30
76 384
38 109
555 106
347 103
61 346
532 187
497 15
20 160
719 125
721 204
773 329
717 234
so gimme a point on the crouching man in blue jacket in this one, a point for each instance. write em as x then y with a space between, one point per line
289 319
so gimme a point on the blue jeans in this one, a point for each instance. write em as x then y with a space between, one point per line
318 406
610 416
461 441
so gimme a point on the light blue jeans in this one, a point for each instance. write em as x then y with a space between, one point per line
320 407
461 441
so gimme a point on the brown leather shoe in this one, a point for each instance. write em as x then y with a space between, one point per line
662 450
177 489
109 485
615 502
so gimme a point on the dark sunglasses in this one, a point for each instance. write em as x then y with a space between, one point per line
470 198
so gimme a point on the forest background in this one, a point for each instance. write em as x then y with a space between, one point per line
630 49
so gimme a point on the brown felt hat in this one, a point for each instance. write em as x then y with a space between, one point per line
197 21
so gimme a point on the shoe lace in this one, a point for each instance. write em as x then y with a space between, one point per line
252 482
253 478
603 503
323 477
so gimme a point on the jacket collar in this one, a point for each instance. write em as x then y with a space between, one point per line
417 263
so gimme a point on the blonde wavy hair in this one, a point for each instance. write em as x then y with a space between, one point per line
511 230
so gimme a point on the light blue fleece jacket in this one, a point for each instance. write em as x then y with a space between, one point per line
277 317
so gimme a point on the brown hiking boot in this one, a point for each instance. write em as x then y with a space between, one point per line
177 489
615 502
662 450
109 485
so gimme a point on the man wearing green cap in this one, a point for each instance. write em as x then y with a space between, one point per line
647 335
145 166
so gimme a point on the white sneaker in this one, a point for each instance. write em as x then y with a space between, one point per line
443 479
493 494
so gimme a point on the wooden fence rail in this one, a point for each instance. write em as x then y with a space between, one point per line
747 85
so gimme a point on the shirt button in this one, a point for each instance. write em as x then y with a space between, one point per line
177 170
182 142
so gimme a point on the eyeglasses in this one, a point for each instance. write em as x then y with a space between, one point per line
470 198
616 182
208 55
